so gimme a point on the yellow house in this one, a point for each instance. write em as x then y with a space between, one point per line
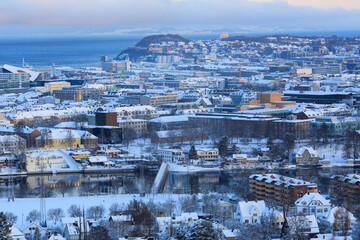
58 139
80 155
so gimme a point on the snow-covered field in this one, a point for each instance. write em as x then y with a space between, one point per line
22 206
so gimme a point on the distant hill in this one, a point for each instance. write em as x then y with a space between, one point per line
146 41
140 49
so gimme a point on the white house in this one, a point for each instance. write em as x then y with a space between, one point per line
339 218
164 223
312 204
303 223
30 230
208 154
250 212
171 155
16 234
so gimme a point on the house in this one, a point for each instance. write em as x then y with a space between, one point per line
58 139
225 210
9 142
307 156
30 230
127 219
16 234
74 226
49 160
172 155
239 158
164 223
56 236
250 211
229 234
312 204
338 219
305 225
208 154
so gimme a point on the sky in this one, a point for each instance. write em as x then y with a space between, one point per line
117 17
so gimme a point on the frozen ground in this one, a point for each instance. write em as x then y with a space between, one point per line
22 206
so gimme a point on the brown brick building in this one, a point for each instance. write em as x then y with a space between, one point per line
279 188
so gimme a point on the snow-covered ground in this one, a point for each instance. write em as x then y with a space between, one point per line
22 206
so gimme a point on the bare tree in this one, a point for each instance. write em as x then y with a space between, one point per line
296 227
55 214
169 207
188 203
95 212
33 216
11 218
115 209
74 211
129 134
70 139
210 204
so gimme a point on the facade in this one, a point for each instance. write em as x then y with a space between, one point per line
337 125
279 188
307 156
208 154
139 125
92 94
38 161
51 86
75 95
312 204
250 211
59 139
171 155
160 99
14 80
298 128
11 142
338 219
105 118
347 186
165 223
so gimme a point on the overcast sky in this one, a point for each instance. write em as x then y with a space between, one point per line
117 16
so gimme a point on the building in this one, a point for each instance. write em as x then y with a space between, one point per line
225 210
58 139
294 224
250 211
16 234
171 155
139 125
68 94
346 186
14 80
336 125
51 86
208 154
159 99
73 226
103 118
279 188
46 161
338 219
307 156
185 219
30 230
298 128
92 94
11 143
312 204
269 97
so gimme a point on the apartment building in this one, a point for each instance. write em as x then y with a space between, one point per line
347 186
208 154
51 86
159 99
69 94
139 125
279 188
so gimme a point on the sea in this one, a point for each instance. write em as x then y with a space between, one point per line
87 51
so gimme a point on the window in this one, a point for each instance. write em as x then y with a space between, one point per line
246 221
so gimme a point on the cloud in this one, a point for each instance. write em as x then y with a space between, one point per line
250 14
321 4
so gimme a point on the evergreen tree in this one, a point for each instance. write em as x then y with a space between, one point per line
193 154
289 142
4 227
223 146
201 230
37 235
235 149
324 132
99 232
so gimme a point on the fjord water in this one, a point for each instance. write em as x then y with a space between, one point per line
74 52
